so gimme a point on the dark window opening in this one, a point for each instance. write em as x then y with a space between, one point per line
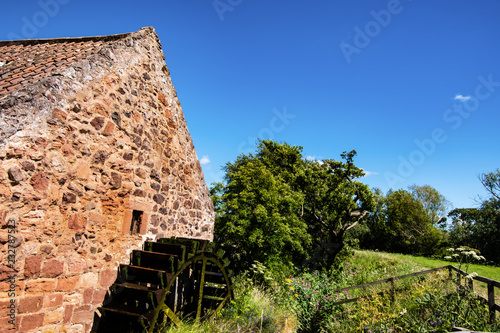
135 225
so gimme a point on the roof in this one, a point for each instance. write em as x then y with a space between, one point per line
25 62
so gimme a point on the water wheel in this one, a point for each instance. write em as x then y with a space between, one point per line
164 283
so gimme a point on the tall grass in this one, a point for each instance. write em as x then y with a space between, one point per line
306 303
254 309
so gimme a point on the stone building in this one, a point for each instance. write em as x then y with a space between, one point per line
95 158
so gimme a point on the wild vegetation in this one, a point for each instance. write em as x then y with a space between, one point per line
304 303
289 226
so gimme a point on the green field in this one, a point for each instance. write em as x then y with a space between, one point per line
409 264
422 263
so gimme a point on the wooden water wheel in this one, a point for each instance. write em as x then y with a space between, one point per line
164 283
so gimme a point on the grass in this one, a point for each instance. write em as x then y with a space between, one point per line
410 263
253 310
257 309
490 272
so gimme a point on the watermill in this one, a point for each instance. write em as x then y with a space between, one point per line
165 282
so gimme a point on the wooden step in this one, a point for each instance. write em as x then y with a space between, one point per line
174 249
152 278
211 292
118 321
132 298
214 277
154 260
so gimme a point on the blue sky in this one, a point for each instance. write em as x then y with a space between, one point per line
412 85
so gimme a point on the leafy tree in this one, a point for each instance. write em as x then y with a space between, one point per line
257 215
480 227
434 203
372 232
334 203
407 222
286 212
491 182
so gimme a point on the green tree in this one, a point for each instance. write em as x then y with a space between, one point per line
335 202
286 212
491 183
480 227
257 216
372 231
434 203
409 227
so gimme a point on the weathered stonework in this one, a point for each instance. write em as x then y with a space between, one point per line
95 158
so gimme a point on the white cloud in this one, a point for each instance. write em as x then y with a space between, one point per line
315 159
205 160
462 98
369 173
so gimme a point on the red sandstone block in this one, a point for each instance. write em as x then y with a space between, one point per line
97 218
54 317
67 151
87 295
67 283
162 99
77 265
30 304
31 321
5 288
61 115
53 300
85 307
77 222
6 324
99 296
82 170
107 277
97 123
40 286
40 181
68 313
81 317
109 128
53 268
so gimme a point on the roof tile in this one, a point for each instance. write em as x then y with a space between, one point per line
26 62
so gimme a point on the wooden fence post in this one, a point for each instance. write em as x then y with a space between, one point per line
491 301
393 289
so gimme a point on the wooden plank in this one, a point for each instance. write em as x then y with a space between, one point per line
389 279
488 281
420 273
491 302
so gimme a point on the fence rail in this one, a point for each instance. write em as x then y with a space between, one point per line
492 306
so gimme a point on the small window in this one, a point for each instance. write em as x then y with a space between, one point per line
135 225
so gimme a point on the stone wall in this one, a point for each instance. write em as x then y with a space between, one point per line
101 161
